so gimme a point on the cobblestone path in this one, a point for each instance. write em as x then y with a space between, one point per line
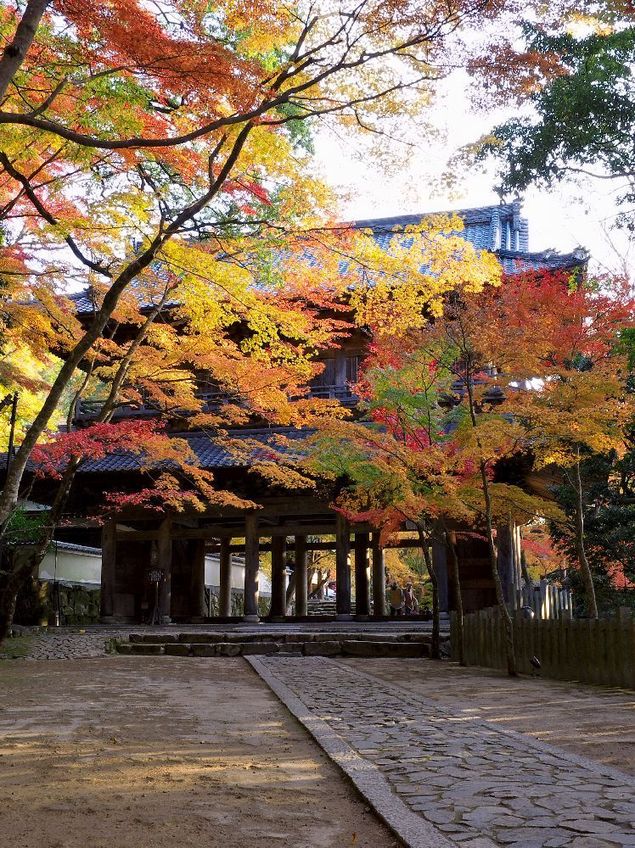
66 644
476 783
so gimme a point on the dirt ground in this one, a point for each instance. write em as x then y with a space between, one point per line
592 721
118 753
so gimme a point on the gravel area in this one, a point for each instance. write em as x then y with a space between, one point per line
153 753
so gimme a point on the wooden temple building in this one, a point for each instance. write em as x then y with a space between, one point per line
138 548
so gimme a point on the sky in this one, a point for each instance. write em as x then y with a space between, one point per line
561 218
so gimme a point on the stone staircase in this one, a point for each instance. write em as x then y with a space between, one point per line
284 643
325 608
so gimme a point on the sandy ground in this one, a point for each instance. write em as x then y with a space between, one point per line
593 721
123 753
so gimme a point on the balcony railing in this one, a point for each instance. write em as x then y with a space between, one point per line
87 410
341 393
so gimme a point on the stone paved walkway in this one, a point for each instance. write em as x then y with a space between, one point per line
479 785
64 644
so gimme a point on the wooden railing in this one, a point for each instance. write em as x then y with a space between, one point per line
341 393
87 410
588 650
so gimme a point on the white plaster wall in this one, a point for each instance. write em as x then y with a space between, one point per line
71 566
212 574
81 567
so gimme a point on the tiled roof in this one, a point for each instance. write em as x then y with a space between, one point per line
71 547
211 452
501 229
83 302
514 261
486 227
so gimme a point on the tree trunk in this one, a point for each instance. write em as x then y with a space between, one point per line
435 647
15 52
40 549
15 472
450 540
590 601
12 576
491 547
498 586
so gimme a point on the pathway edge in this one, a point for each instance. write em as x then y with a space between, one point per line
413 830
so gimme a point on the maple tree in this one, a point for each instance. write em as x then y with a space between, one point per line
560 375
391 468
526 374
584 406
429 456
126 131
139 144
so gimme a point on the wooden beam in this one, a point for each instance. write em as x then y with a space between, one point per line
379 578
252 565
225 579
362 584
108 569
342 570
164 562
301 587
278 587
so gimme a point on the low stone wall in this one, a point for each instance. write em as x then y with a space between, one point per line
213 602
295 644
76 604
79 604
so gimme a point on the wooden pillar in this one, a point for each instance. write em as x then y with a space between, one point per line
379 579
278 574
108 569
252 565
164 563
342 569
225 578
199 605
505 559
440 565
362 583
301 577
517 541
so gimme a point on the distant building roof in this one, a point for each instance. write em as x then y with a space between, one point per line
492 228
500 229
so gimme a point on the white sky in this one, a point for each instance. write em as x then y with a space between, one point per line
562 218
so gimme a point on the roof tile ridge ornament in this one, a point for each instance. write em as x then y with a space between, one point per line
518 230
495 230
581 253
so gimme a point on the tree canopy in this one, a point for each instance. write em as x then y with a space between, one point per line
582 120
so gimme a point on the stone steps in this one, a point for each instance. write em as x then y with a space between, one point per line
325 608
278 637
327 647
328 642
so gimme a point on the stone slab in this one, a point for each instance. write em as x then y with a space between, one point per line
201 650
178 650
360 648
146 649
248 648
228 649
322 649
